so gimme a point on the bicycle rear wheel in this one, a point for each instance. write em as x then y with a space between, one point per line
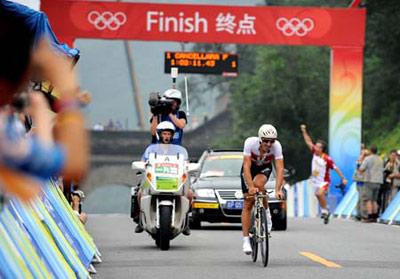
264 238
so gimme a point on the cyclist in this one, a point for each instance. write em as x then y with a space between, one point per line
320 166
259 153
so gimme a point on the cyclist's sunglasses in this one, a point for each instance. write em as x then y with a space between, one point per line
267 140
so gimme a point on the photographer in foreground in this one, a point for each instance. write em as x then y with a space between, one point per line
166 108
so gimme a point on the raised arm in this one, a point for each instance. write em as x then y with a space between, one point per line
306 136
154 123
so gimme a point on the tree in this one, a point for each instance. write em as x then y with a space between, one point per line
290 86
287 86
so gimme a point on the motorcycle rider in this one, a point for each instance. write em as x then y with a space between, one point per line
165 134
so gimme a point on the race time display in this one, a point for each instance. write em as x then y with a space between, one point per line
202 63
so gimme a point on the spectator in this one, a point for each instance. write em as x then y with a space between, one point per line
110 125
77 197
392 176
98 127
38 155
372 166
118 126
359 178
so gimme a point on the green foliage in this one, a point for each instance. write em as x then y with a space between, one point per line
287 86
382 69
388 142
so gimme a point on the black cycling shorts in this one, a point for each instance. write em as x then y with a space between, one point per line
254 170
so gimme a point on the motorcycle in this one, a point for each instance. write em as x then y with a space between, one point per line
164 185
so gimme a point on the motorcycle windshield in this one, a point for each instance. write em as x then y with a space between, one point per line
166 149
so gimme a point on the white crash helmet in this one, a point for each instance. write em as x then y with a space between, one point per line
173 94
165 126
267 131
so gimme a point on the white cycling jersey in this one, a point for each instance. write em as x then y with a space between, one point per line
320 167
252 149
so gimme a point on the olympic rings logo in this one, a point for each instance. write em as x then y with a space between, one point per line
107 20
295 26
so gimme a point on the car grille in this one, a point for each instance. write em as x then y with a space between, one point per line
227 194
224 196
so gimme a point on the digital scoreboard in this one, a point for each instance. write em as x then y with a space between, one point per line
202 63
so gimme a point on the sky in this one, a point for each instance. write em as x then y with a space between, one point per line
103 71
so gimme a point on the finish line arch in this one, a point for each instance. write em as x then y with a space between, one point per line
341 29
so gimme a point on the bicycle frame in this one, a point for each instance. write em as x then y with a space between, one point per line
258 205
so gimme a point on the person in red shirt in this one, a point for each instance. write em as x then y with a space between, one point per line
320 167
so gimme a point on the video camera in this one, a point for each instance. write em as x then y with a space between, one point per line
341 187
159 105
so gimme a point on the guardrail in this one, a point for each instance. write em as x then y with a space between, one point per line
301 201
392 212
348 207
44 239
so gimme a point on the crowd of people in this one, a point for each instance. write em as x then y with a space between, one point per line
42 137
378 182
110 126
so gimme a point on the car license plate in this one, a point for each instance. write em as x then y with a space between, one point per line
234 204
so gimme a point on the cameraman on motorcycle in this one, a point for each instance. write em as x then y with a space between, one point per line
172 114
165 134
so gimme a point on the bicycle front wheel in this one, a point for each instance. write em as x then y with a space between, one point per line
264 238
253 240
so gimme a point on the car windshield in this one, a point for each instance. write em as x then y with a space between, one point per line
165 149
225 165
222 165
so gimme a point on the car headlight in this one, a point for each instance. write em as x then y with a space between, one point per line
205 193
271 194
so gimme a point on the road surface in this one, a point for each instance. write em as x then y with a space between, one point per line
308 249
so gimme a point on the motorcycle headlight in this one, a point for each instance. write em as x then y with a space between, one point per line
205 193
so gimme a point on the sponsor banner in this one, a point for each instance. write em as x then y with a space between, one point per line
45 245
69 253
77 233
17 238
38 242
345 108
207 23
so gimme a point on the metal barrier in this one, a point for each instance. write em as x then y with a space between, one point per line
44 239
392 212
301 201
348 205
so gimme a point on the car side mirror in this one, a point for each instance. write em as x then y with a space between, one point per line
193 167
138 166
289 172
193 179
